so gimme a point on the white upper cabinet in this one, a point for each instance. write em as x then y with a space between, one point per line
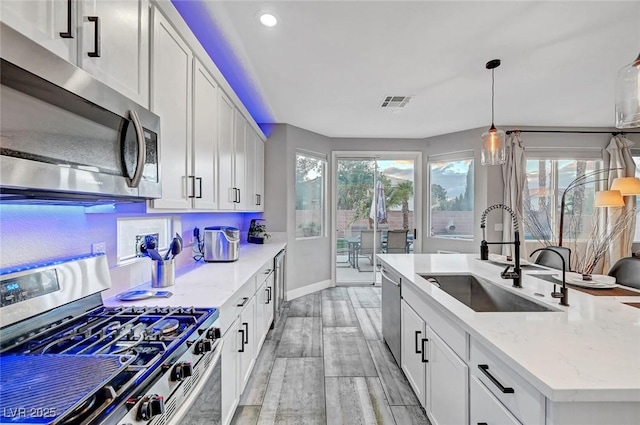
171 100
259 166
255 171
226 182
240 161
114 45
205 139
50 23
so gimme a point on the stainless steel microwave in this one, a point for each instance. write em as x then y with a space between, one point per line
66 135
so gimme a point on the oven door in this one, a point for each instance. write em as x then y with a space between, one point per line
203 405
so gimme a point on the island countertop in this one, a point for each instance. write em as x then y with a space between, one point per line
589 351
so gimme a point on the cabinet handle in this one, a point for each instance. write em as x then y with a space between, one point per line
241 340
416 341
96 37
243 302
193 187
68 34
424 350
246 326
239 196
485 369
268 289
199 187
482 423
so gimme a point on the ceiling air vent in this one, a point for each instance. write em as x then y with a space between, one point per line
395 101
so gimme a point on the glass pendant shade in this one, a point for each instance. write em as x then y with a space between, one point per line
628 96
493 147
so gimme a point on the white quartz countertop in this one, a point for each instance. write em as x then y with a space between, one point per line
589 351
210 284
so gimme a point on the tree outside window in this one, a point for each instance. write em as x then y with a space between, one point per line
310 196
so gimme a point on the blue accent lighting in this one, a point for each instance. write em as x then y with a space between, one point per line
196 15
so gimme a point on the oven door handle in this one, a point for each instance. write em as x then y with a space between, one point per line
142 150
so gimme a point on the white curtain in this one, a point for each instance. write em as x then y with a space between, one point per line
514 177
619 150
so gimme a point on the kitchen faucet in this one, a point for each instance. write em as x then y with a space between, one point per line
484 245
563 294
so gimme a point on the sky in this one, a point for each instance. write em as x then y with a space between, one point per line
451 175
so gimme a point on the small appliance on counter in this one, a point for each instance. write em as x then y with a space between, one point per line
221 243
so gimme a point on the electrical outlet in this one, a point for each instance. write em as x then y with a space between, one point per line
99 248
144 240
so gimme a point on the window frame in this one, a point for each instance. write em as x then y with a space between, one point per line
324 185
450 157
635 154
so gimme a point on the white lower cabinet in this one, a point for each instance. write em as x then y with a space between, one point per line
485 409
268 305
261 300
438 376
447 394
230 373
247 342
413 362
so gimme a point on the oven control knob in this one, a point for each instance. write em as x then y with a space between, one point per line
213 333
151 406
181 371
203 346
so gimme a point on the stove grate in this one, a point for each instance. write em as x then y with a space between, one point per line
41 388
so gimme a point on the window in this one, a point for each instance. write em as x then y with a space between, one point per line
451 189
546 182
310 195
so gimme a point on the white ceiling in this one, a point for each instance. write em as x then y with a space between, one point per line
327 65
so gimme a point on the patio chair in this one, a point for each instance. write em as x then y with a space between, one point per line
342 251
627 272
397 242
366 248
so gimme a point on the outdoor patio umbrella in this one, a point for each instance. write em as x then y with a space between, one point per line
378 204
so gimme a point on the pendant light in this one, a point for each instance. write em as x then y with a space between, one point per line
628 96
493 146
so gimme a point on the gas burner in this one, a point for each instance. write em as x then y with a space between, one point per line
165 326
112 327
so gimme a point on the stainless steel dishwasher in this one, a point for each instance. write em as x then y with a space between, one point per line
391 311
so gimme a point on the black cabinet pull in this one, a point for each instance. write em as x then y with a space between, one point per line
242 340
482 423
199 187
259 199
268 289
246 326
193 187
239 196
424 350
416 341
243 302
485 369
68 34
96 37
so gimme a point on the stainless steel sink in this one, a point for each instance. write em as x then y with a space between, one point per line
483 296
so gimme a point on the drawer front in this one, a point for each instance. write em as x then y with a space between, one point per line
485 408
455 337
230 311
517 395
264 272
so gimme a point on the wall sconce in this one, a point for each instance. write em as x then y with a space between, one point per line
628 96
626 185
608 198
493 146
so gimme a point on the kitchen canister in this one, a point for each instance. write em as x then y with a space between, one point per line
163 273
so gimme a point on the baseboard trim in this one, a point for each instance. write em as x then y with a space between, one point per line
318 286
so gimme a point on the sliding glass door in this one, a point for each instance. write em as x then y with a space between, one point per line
374 213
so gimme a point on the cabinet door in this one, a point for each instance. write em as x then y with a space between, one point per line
413 363
240 160
226 189
259 182
248 332
43 21
268 306
171 100
123 45
230 355
251 201
261 300
447 384
485 408
205 134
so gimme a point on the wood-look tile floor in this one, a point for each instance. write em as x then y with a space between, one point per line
325 363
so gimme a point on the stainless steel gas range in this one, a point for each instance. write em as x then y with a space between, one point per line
67 359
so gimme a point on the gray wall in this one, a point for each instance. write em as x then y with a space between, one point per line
308 260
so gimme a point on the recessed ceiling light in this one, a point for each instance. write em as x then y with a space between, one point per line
268 20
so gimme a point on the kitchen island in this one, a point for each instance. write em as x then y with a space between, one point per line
577 364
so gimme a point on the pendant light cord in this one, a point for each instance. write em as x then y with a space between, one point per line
493 82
